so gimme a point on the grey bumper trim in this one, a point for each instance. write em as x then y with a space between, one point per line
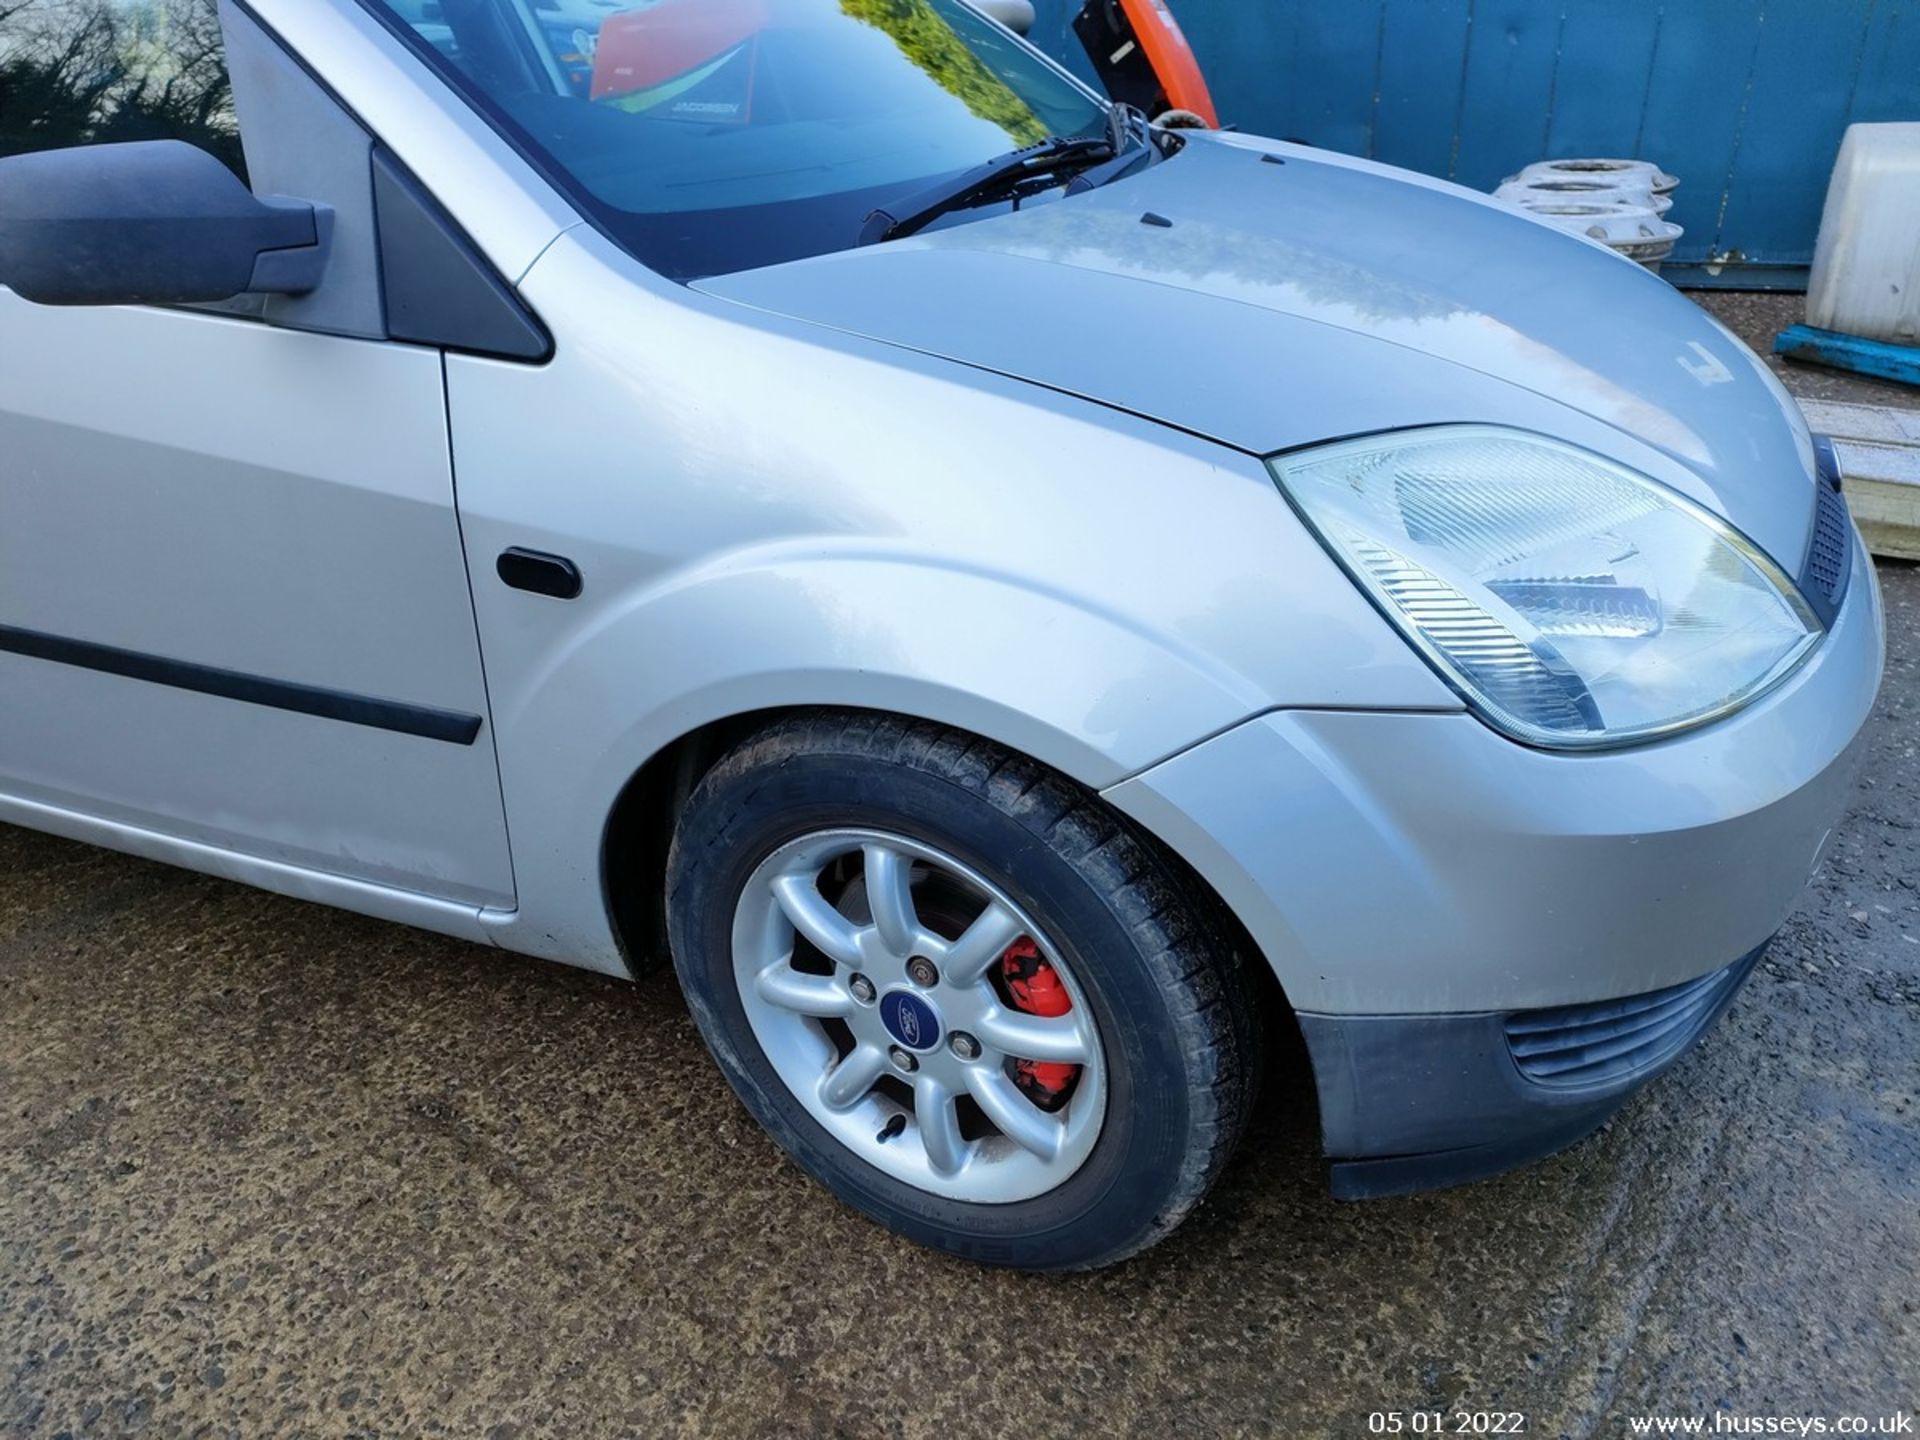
1417 1102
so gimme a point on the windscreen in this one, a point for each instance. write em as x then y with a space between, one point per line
709 136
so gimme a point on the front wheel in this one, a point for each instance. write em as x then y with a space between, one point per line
959 990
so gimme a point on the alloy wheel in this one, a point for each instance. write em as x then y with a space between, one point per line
874 970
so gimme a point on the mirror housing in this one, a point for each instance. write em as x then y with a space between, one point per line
1016 15
156 222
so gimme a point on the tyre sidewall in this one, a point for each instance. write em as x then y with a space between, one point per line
1116 1198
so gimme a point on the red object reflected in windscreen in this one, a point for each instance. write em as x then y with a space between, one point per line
689 59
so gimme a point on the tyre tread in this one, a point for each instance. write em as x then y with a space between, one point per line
1176 927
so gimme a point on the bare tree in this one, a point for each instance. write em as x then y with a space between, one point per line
77 72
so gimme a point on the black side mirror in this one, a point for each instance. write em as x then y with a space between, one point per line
156 222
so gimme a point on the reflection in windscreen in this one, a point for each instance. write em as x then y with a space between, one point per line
95 72
711 135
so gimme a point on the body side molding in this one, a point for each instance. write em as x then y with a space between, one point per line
451 726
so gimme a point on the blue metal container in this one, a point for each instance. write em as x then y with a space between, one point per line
1745 100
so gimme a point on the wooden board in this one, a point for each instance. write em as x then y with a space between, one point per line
1888 516
1878 448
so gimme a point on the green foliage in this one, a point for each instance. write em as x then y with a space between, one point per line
928 41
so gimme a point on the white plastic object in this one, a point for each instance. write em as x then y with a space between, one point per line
1637 172
1580 189
1633 230
1866 266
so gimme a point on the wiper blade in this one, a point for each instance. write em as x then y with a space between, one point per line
1049 157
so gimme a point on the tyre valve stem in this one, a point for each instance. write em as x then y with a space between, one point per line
892 1128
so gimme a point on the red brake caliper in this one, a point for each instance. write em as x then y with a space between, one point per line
1035 987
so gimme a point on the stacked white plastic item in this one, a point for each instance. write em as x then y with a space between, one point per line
1621 203
1867 264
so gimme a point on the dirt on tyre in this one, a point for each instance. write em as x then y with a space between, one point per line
959 990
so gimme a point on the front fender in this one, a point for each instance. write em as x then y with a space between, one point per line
769 513
1086 693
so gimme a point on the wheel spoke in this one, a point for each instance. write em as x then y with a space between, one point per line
984 942
823 927
1032 1037
833 929
890 893
939 1125
849 1081
1013 1115
820 996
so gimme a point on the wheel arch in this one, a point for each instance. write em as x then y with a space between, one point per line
639 830
589 740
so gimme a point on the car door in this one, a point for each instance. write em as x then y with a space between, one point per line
233 602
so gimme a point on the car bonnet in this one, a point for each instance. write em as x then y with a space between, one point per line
1269 296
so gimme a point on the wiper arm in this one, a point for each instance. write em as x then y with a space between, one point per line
1050 156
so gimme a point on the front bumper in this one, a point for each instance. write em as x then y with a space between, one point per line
1419 876
1410 1102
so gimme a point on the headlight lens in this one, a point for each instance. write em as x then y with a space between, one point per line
1573 602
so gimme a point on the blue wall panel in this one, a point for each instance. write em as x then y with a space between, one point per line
1604 77
1697 99
1745 100
1799 91
1889 61
1417 85
1336 52
1512 50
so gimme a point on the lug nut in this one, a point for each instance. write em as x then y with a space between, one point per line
964 1045
922 972
862 989
903 1060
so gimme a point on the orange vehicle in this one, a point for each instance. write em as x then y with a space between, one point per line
1143 58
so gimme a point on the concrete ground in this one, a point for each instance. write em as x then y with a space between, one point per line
270 1170
1758 316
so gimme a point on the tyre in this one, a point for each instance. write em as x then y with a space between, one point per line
960 991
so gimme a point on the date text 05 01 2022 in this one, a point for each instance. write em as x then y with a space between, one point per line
1446 1422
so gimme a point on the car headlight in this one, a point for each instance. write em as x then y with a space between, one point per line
1572 602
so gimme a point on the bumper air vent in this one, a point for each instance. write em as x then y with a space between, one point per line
1829 564
1573 1047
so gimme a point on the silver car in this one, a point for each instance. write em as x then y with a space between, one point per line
1025 606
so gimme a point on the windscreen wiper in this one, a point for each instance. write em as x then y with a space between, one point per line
1050 156
1123 123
